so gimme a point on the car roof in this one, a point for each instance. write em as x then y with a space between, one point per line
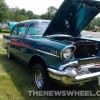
33 20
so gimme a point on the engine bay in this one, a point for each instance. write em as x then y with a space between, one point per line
84 48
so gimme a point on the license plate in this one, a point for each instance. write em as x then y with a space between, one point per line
99 80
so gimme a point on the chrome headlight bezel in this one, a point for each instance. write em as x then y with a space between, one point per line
67 53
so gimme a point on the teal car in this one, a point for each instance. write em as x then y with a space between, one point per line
54 49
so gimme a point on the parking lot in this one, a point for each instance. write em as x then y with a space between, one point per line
94 34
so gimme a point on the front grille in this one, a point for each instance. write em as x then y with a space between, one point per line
92 70
89 61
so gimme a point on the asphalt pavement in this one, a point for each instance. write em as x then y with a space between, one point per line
90 34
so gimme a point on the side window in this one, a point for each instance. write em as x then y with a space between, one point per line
37 28
33 30
14 31
22 31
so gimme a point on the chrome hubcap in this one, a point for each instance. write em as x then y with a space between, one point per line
39 79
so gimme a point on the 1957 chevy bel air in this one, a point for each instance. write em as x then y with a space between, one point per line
54 48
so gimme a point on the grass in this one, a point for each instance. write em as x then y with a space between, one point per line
16 81
4 30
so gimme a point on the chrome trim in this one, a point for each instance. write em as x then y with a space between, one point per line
57 72
68 64
71 76
46 52
41 51
70 72
87 76
68 78
57 35
90 58
88 66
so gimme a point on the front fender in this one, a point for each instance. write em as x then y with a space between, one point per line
48 50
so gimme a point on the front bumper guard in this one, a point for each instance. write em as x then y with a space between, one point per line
71 76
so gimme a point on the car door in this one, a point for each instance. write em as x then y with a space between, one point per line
13 40
22 41
17 36
26 52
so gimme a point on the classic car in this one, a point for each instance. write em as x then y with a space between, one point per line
54 48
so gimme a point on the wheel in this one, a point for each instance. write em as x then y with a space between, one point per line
41 77
9 56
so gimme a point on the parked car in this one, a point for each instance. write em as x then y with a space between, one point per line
54 49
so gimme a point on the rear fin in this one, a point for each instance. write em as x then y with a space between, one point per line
11 25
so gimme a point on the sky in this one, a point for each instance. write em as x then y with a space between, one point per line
37 6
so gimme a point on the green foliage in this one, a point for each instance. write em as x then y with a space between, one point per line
50 13
30 14
96 21
3 10
0 30
16 14
4 30
92 24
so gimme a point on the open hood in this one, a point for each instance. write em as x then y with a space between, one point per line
73 16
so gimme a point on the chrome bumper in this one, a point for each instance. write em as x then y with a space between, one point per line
68 75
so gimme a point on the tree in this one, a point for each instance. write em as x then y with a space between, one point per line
30 14
3 10
3 6
44 16
17 14
23 12
37 16
51 12
93 23
96 21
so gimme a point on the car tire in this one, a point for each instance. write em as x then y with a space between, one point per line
9 56
41 78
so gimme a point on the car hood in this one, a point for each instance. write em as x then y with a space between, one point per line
73 16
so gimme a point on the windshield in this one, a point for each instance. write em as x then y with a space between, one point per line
38 28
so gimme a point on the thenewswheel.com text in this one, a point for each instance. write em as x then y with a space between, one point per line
63 93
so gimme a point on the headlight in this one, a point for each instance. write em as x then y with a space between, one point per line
67 53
